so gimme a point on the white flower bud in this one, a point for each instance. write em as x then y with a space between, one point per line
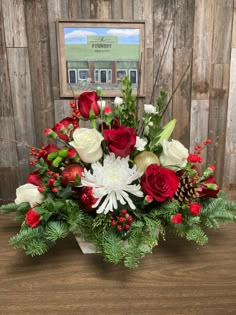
150 109
101 104
118 101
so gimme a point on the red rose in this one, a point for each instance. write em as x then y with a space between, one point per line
86 102
32 218
159 182
120 141
63 124
194 208
207 192
177 218
87 199
34 178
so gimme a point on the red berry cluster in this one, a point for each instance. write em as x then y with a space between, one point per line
38 153
52 182
122 221
75 114
195 157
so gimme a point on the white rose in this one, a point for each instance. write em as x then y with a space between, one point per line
28 193
140 143
87 142
101 104
118 101
150 109
174 155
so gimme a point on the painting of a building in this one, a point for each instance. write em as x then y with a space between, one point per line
101 56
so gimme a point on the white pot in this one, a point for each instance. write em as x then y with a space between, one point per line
86 247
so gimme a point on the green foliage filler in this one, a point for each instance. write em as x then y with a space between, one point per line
149 226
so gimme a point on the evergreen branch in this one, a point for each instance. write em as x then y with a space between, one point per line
56 230
13 207
37 247
112 247
26 235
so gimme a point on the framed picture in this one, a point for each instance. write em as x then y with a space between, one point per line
96 53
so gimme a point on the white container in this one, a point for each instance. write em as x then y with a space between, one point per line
86 247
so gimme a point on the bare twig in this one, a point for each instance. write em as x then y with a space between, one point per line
176 88
19 142
162 56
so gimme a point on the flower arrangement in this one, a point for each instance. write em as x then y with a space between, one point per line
119 184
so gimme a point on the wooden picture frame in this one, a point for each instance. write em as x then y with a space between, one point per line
95 53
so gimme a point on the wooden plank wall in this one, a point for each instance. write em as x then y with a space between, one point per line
201 34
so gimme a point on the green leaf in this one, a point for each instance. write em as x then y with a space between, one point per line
51 156
57 161
63 152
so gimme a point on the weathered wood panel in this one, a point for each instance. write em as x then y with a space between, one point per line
219 83
8 154
103 9
148 69
127 6
117 9
234 27
163 53
20 80
218 117
56 9
203 34
223 19
75 9
199 118
37 33
14 23
182 97
229 178
182 58
2 41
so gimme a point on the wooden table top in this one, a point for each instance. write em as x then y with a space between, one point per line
178 278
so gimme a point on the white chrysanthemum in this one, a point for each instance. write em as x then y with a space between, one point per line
112 182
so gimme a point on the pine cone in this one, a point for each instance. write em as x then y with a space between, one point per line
187 190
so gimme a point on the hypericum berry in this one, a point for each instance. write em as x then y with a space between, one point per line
51 182
119 228
121 219
72 104
123 211
55 190
130 219
50 173
127 227
207 142
113 223
41 189
56 175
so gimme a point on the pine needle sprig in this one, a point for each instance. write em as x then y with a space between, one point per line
55 230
